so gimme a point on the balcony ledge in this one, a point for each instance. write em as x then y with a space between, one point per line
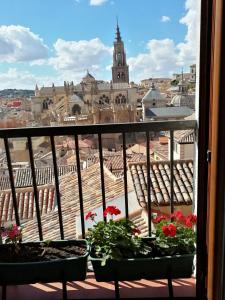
90 289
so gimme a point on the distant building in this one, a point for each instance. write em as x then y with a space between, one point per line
167 113
92 101
152 99
187 77
183 98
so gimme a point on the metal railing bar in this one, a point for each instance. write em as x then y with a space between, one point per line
171 172
148 186
58 199
80 185
98 128
9 163
36 195
125 175
102 173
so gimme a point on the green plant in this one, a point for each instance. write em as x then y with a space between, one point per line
115 239
176 234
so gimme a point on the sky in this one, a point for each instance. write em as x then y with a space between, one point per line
46 41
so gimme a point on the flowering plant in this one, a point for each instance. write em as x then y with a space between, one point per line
176 234
115 239
12 234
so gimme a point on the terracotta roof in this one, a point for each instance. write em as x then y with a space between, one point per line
44 175
184 136
160 148
92 198
160 182
114 161
26 203
140 222
4 181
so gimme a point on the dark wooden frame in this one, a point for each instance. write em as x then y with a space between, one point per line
203 140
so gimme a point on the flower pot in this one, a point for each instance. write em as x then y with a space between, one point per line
167 267
62 270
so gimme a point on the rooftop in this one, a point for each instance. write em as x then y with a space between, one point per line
169 112
160 182
26 203
92 197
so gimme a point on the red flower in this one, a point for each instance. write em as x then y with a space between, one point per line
90 215
13 231
158 219
169 230
136 231
178 216
190 220
188 223
112 210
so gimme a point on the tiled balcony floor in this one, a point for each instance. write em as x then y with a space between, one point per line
90 289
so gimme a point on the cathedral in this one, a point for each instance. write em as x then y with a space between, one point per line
91 101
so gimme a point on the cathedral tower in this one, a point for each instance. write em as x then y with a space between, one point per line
120 72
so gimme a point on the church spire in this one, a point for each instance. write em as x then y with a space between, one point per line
120 69
118 36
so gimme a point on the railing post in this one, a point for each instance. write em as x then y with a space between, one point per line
36 195
125 175
102 173
58 199
80 185
148 185
9 163
171 173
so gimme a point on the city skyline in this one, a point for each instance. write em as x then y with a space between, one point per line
43 48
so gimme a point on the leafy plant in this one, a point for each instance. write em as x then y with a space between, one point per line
115 239
175 235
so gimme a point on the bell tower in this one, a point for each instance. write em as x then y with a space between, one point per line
120 69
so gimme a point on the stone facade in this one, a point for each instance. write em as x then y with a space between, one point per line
91 101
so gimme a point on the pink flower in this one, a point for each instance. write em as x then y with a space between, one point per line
112 210
90 215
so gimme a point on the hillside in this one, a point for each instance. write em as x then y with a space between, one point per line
14 93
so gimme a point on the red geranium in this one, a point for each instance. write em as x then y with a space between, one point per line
169 230
190 220
112 210
90 215
158 219
178 216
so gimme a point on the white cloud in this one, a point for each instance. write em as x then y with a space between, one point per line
74 57
164 57
159 60
19 44
165 19
188 49
97 2
18 79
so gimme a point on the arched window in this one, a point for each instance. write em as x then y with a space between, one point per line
104 99
76 110
120 99
45 104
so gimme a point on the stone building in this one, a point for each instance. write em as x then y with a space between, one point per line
91 101
183 98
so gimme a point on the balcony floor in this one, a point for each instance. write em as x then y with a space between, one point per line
90 289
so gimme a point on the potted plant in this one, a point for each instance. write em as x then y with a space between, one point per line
119 254
48 261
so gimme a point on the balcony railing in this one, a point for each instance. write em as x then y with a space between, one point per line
98 131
